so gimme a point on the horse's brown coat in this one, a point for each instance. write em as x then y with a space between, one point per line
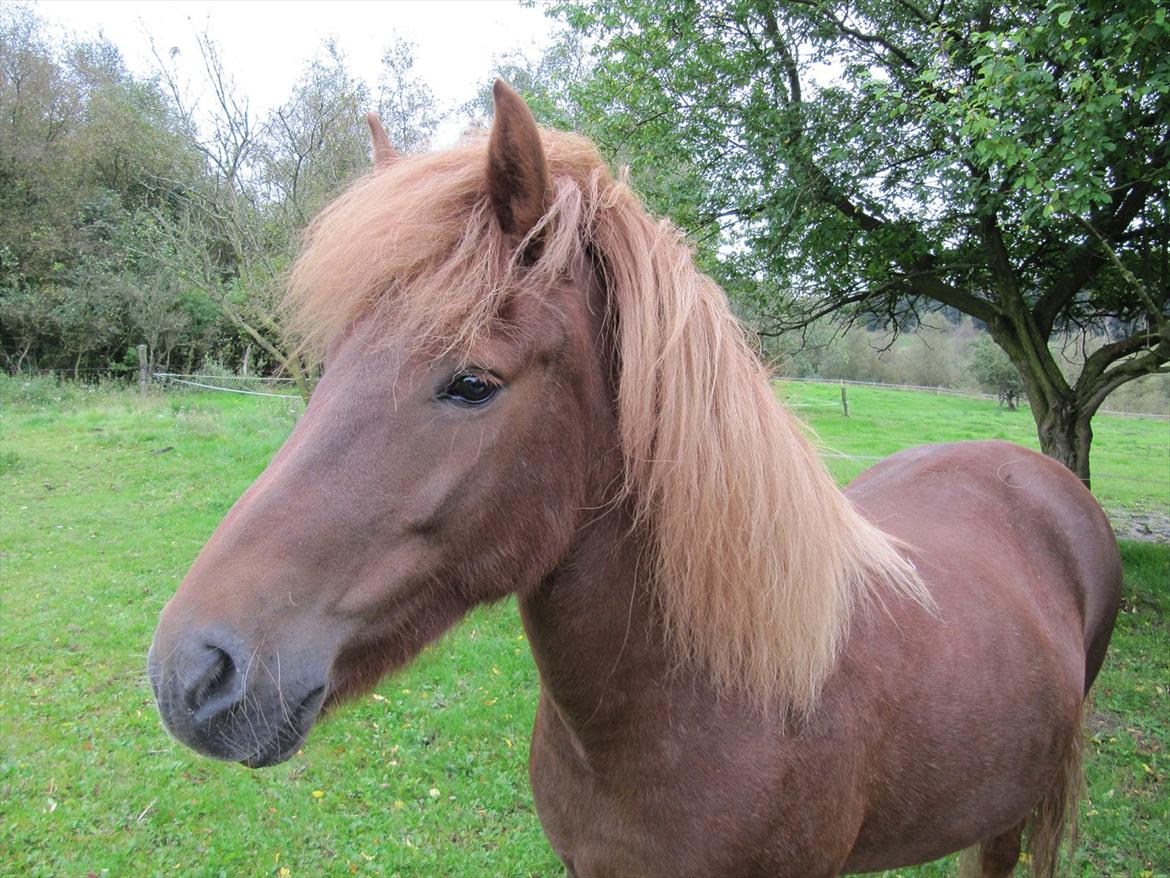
391 511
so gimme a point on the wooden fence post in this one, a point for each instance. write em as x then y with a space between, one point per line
844 400
143 370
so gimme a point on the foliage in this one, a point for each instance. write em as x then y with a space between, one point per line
547 84
878 161
131 213
85 150
406 103
995 372
91 782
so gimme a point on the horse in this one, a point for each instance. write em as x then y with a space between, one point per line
529 389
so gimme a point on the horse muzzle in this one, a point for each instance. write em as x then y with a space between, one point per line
224 699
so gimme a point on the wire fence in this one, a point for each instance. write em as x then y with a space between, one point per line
948 391
865 461
203 382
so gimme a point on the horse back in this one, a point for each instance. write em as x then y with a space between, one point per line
1008 518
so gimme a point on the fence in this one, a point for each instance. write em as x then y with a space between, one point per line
216 382
864 461
204 382
948 391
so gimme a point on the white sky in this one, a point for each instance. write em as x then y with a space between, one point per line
266 43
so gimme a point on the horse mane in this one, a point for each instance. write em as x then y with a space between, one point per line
759 562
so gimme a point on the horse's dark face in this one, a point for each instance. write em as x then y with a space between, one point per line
413 488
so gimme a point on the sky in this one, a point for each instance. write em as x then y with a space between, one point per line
266 43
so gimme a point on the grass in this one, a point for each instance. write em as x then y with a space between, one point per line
1130 458
106 498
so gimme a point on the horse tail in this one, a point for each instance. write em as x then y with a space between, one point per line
1051 832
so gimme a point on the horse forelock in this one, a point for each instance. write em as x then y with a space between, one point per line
416 246
759 561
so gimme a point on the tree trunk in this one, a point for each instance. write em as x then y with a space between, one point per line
1062 424
1066 435
18 368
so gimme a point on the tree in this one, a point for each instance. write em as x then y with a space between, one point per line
130 213
995 372
263 182
316 142
546 83
877 160
406 104
84 150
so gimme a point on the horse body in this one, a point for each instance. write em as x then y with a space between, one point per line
891 768
529 390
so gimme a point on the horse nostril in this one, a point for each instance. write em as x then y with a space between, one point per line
217 677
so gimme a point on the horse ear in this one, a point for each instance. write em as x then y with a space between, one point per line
517 171
384 153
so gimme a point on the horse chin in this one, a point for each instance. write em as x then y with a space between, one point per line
291 735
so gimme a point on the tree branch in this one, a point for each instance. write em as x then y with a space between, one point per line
1149 363
1085 262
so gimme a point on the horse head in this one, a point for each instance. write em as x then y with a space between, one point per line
434 469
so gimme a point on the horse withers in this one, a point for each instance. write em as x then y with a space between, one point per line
530 390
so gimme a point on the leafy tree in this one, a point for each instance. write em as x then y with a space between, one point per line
317 141
875 160
406 104
39 108
262 182
86 152
995 372
546 83
129 212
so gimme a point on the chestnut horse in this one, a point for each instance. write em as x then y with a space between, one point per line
529 389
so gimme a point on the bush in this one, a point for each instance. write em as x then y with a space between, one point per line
995 372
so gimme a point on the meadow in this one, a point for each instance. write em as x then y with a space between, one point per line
105 499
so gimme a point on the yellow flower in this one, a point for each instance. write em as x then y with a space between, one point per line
318 794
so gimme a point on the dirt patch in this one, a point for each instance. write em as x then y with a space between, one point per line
1153 527
1102 723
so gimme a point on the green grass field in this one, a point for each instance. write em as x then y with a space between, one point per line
1130 460
105 499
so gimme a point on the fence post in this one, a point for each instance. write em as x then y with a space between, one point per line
143 370
844 400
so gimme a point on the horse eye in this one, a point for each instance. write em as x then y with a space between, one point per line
470 388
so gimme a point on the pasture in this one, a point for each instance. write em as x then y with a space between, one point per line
106 498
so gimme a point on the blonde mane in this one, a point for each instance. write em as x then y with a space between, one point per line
760 562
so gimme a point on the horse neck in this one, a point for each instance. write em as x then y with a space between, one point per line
592 632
